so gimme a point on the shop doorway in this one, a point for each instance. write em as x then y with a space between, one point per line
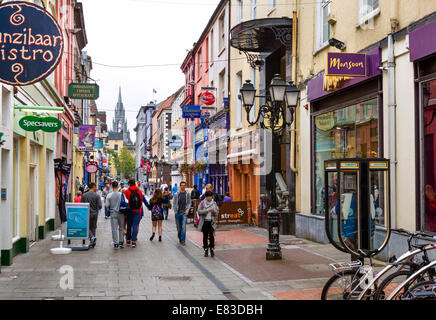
33 211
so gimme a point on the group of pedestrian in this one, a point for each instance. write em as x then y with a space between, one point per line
124 206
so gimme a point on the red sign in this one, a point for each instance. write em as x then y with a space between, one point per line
207 98
91 167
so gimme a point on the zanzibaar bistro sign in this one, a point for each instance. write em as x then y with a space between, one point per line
346 64
47 124
31 43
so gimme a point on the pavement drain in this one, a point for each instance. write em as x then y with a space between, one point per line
174 278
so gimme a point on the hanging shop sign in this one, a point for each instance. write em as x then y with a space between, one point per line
175 143
33 123
91 167
98 144
2 142
83 91
207 98
346 64
191 112
86 138
31 43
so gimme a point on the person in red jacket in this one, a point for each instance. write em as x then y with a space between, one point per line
135 214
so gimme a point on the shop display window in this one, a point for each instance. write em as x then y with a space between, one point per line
429 105
350 132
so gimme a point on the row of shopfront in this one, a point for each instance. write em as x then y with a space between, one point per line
387 114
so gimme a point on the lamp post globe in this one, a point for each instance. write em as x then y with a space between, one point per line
277 89
248 94
292 94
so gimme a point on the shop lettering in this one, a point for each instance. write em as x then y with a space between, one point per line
31 43
336 63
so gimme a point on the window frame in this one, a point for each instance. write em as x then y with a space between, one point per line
253 9
239 11
365 16
321 42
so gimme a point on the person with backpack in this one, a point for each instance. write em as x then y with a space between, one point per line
208 211
135 199
157 212
182 204
112 204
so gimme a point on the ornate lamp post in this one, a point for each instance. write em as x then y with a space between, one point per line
272 116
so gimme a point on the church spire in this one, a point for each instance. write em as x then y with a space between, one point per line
120 101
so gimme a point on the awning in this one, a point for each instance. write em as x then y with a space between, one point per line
243 154
262 35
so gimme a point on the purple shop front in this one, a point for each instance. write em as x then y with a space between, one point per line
315 87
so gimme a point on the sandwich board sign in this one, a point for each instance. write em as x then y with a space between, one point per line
77 225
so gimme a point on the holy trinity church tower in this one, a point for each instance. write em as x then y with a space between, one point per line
119 124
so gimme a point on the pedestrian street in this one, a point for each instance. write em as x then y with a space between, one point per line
165 270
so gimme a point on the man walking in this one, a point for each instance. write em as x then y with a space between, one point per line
112 204
181 206
135 198
94 200
104 194
216 196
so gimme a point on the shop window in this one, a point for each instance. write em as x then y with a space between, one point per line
350 132
429 123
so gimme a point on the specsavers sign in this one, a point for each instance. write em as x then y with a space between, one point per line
31 43
48 124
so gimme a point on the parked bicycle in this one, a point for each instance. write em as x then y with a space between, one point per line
354 280
407 265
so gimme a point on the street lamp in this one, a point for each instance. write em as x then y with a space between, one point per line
272 116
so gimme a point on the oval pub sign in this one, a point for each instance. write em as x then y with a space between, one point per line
207 98
31 43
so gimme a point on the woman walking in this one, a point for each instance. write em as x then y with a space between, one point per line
157 212
208 211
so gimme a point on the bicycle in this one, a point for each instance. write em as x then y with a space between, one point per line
351 279
356 281
406 261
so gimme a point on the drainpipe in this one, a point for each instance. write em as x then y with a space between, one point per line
293 166
392 126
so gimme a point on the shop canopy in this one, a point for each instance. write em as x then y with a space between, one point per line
262 35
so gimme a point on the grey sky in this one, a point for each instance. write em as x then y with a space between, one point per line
137 33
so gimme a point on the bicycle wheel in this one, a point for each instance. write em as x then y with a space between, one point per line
390 283
425 290
342 286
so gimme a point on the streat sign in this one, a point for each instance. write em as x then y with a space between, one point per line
31 43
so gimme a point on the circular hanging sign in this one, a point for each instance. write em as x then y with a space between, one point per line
207 98
91 167
175 143
31 43
33 123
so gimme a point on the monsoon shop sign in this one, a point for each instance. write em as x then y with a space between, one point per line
31 43
32 124
346 64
